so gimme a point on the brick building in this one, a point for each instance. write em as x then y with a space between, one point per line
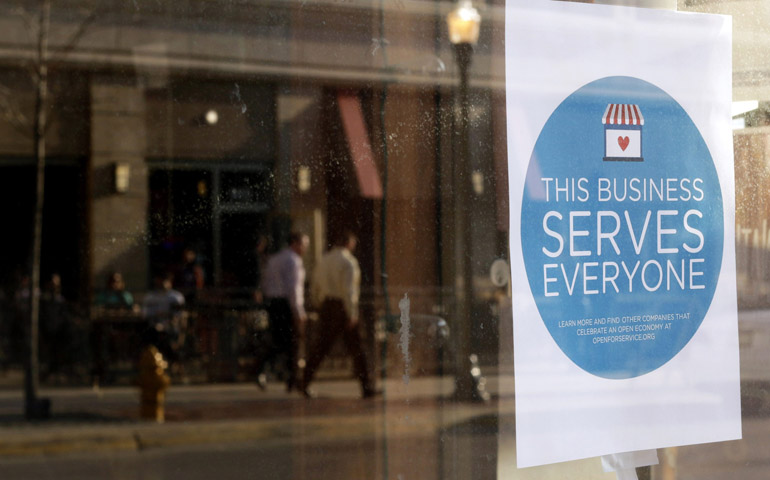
211 124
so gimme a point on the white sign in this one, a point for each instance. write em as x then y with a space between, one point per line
622 229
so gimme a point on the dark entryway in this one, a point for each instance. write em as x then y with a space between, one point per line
64 216
220 213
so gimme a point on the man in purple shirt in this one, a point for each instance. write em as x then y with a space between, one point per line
283 287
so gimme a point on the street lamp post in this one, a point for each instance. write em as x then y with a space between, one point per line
463 24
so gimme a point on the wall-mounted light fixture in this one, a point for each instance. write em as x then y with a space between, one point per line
477 178
202 188
739 111
744 106
121 177
303 178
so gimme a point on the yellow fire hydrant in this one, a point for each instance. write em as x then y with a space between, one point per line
153 383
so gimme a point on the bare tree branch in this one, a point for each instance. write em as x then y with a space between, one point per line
12 113
72 42
29 19
10 110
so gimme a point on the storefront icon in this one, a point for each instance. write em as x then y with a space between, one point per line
622 133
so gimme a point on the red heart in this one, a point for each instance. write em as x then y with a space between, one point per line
623 142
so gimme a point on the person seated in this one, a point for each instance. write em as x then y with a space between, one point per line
163 309
115 295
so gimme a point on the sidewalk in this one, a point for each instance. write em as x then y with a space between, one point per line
89 420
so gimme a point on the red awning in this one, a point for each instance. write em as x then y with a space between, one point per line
360 149
622 114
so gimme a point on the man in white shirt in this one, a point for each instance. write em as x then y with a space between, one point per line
283 287
336 285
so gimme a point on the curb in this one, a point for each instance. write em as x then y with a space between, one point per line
66 442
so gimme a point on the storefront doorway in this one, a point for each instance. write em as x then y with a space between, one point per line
219 212
63 247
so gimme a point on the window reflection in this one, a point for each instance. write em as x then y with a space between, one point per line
236 123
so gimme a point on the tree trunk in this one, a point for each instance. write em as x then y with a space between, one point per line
35 407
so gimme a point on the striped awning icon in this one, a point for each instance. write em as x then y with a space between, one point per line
622 114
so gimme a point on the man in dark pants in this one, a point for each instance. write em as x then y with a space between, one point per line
283 287
336 284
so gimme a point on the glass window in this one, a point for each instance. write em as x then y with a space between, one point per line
180 297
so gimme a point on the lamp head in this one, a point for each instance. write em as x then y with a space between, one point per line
463 23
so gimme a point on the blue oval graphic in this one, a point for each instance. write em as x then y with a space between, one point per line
622 227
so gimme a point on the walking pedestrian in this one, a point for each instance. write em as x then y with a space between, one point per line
336 285
283 286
